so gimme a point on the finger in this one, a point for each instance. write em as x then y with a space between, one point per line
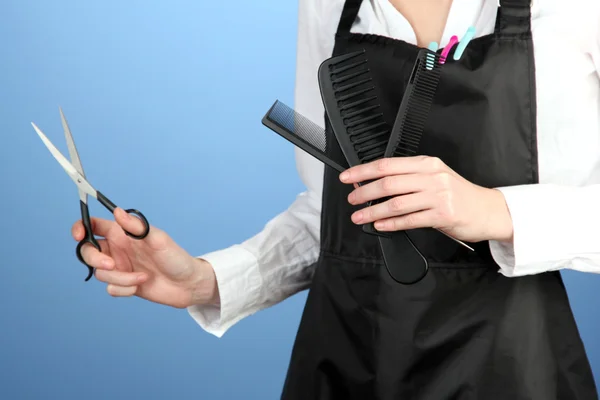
421 219
97 259
392 166
121 291
397 206
129 222
121 278
100 227
77 231
389 186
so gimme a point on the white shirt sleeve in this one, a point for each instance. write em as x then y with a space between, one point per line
279 261
556 226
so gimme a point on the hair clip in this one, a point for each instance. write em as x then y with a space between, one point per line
433 46
462 45
446 51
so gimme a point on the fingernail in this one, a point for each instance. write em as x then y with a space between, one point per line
357 216
141 278
351 198
379 225
344 176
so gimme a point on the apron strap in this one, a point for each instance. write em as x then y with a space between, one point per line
349 14
514 17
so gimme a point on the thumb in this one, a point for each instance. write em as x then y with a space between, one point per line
128 222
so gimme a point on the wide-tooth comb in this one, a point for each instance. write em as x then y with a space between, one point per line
353 109
300 131
359 126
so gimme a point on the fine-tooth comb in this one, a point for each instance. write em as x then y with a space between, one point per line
300 131
404 142
413 111
415 106
359 126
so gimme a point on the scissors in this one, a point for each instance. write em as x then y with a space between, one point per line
75 171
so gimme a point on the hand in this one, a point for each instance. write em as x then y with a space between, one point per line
425 193
155 268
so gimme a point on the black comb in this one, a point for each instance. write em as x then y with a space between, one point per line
406 137
359 126
300 131
353 109
404 142
413 111
415 106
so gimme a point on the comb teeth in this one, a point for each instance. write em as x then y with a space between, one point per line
416 103
341 99
300 131
336 61
345 78
352 106
335 71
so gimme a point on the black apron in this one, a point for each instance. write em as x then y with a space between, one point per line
465 331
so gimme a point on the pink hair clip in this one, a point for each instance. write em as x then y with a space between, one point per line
446 51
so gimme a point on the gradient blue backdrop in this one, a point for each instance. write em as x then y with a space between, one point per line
164 100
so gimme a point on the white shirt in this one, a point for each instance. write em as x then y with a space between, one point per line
556 222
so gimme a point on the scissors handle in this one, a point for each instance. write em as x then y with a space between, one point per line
110 206
88 238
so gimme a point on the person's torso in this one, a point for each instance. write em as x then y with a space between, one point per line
463 330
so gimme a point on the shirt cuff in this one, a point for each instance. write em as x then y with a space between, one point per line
538 231
239 283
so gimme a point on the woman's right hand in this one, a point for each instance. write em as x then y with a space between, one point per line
154 268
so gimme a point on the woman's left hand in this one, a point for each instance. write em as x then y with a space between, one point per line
426 193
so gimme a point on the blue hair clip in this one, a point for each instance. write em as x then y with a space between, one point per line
462 45
433 46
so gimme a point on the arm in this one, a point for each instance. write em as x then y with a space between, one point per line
555 226
279 261
267 268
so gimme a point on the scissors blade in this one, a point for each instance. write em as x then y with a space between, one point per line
75 161
79 180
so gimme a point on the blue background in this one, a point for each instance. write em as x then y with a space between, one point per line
164 100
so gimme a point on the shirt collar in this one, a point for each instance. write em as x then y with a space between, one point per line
463 13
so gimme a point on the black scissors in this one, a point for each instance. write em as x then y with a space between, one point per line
75 171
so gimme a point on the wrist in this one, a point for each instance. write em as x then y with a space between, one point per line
204 289
499 222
